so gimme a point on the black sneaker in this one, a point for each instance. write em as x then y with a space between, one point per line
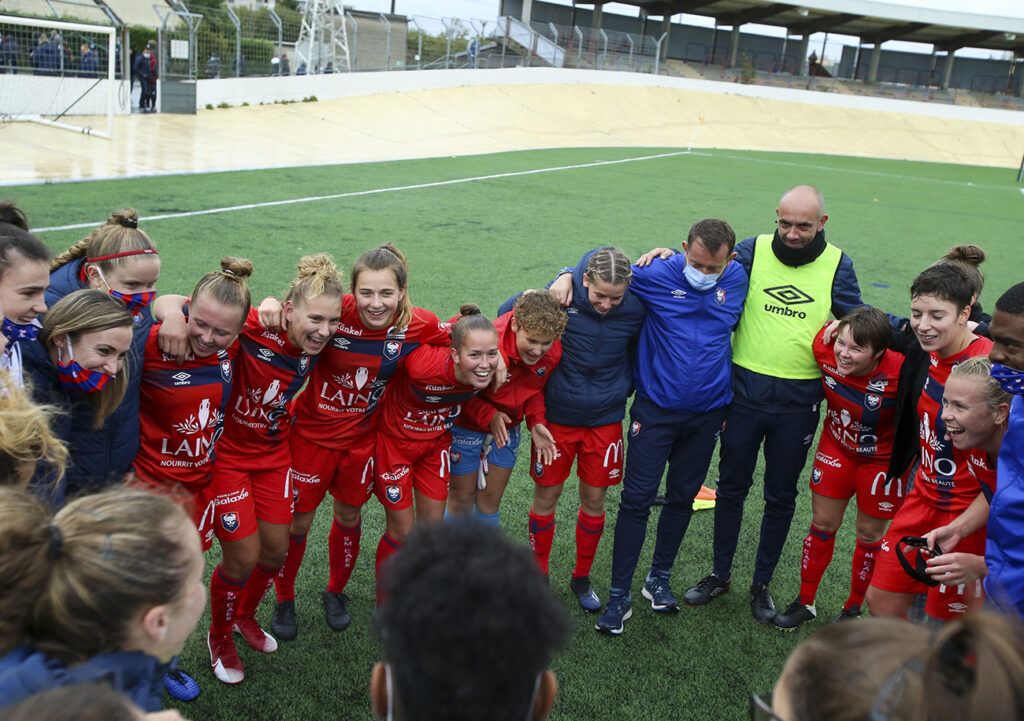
337 615
847 614
707 588
282 623
795 614
762 607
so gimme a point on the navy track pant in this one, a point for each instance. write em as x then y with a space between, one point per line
787 437
686 441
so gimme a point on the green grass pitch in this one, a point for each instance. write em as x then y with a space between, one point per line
484 240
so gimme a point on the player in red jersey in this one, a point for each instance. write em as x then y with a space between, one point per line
250 483
182 405
530 336
334 430
414 431
860 376
975 411
944 486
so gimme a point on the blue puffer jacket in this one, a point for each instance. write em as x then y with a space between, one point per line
1004 552
591 383
26 671
99 457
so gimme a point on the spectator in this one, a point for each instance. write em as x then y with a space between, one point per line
213 66
89 63
143 70
8 53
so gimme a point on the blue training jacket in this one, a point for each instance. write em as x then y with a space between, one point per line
1004 552
592 381
139 676
684 358
102 456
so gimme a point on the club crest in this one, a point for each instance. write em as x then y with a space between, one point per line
394 493
538 469
872 401
816 476
391 349
229 521
303 364
719 296
634 429
225 371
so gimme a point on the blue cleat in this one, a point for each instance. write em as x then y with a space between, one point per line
585 593
180 685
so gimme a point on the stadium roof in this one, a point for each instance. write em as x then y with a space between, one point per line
872 22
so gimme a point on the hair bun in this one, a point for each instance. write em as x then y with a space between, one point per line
469 309
239 268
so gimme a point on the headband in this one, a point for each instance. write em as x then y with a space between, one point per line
141 251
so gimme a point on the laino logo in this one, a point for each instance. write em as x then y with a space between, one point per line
787 295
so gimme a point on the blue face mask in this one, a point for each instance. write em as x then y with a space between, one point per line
1011 380
16 331
698 280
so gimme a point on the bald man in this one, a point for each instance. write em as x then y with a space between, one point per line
796 279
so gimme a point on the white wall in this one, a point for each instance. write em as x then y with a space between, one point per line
235 91
25 94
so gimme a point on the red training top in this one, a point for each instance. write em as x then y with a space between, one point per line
181 414
270 371
425 398
861 409
521 394
943 478
336 410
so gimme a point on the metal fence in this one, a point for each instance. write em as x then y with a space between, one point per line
49 52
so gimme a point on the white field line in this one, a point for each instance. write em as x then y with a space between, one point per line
374 191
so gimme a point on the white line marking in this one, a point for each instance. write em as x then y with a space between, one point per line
375 191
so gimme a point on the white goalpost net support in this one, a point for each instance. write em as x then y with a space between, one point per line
55 73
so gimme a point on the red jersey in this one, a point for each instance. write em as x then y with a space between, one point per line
181 414
860 417
983 468
348 381
521 394
270 371
425 397
943 479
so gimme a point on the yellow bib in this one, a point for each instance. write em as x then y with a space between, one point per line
785 309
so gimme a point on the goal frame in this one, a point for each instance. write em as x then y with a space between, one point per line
111 32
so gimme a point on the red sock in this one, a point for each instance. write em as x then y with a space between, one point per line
285 582
259 582
342 551
385 550
864 556
818 548
542 533
588 535
224 595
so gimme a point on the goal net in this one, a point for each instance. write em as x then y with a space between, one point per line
61 74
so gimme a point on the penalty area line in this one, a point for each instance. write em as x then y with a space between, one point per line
375 191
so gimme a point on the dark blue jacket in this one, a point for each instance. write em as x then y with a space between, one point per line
591 383
684 358
99 457
780 395
139 676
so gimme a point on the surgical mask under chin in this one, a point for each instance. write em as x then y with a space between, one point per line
1011 380
18 331
73 377
136 302
698 280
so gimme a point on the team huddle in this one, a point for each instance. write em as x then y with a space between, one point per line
239 420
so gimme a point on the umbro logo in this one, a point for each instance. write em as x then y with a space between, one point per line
678 293
788 295
266 354
183 376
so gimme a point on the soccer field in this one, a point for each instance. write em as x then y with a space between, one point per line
479 229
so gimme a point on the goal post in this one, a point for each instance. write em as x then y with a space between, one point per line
56 73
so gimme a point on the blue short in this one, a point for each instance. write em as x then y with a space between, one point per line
466 451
